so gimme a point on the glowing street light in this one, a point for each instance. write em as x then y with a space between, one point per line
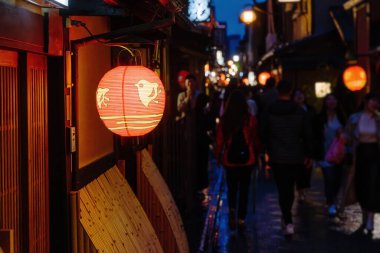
248 16
235 58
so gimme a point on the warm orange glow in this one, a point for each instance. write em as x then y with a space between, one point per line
263 77
130 100
245 81
355 78
248 16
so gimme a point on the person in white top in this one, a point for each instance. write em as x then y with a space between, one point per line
363 134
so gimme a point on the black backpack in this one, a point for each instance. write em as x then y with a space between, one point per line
238 151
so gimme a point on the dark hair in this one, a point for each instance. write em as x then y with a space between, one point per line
367 98
234 82
200 102
295 91
285 87
191 76
270 82
370 96
236 113
339 111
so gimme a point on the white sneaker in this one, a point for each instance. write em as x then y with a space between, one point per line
289 229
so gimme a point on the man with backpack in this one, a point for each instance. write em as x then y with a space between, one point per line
287 137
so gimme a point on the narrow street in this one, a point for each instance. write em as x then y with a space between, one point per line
315 232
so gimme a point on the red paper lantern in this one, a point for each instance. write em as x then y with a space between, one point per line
130 100
355 78
263 77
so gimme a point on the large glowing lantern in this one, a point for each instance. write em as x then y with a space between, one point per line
263 77
130 100
355 78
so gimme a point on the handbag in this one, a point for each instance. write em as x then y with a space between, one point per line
337 151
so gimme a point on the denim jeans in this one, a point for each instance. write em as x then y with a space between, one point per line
332 178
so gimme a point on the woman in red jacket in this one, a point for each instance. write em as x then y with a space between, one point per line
236 143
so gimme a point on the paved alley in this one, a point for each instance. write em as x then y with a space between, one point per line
315 232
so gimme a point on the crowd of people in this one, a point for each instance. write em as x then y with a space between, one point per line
244 123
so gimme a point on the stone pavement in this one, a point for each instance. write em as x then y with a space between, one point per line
207 226
315 232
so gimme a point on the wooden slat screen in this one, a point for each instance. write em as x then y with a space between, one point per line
9 146
159 205
38 192
113 218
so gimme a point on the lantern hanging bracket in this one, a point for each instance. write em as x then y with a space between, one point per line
105 38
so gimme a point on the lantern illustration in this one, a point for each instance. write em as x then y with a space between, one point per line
355 78
263 77
130 100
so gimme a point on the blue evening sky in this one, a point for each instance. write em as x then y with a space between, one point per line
229 11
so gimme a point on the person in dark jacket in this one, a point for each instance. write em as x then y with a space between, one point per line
287 138
202 142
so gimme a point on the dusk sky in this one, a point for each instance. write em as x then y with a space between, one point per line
229 11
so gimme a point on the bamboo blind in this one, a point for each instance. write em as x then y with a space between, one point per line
159 204
9 146
113 217
38 191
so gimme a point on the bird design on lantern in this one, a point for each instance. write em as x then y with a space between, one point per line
148 92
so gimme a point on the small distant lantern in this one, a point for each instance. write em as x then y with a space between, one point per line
181 78
130 100
263 77
355 78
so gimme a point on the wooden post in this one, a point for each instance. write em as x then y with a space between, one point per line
74 221
7 242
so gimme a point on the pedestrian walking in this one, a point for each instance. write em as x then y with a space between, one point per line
304 178
234 84
236 148
331 121
186 102
287 138
362 134
202 142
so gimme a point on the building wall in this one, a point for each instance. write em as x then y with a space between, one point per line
302 20
321 18
94 60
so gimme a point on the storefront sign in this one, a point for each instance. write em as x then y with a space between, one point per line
322 89
199 10
62 3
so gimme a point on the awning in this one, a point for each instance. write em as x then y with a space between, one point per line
311 52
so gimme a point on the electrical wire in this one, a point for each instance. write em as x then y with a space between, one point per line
104 42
